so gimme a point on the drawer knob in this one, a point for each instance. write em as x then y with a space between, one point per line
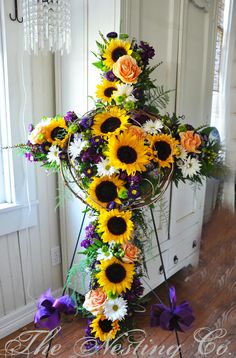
194 244
176 259
161 270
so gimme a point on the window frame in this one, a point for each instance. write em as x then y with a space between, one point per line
19 211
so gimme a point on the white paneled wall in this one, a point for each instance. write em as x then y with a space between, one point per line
26 269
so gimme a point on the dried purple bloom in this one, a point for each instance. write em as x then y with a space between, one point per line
189 127
86 243
110 76
71 116
135 179
112 35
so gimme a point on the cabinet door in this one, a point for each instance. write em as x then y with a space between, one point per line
193 98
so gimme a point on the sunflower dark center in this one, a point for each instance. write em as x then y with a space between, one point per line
108 91
126 154
110 124
58 132
106 191
163 149
116 225
115 273
118 52
105 325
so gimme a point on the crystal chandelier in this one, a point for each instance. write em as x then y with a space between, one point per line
47 25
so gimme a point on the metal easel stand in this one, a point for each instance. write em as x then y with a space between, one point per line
162 264
164 273
71 264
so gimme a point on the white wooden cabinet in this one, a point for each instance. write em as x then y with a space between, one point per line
183 34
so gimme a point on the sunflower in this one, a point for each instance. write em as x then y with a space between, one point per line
115 49
115 225
164 147
104 190
115 276
57 132
105 90
127 153
104 328
111 121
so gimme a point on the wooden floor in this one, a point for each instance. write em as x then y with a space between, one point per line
211 289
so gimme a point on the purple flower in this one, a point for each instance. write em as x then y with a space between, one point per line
86 243
29 156
86 122
147 53
90 155
138 93
30 127
89 172
133 192
135 179
89 231
97 140
110 76
136 290
171 318
189 127
63 156
112 35
123 176
111 205
45 147
70 116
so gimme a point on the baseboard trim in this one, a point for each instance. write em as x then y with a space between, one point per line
20 317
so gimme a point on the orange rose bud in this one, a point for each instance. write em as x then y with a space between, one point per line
94 301
190 141
131 251
126 69
137 132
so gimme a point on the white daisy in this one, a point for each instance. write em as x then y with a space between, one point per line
115 309
182 153
124 90
153 127
104 168
53 154
104 255
189 167
76 147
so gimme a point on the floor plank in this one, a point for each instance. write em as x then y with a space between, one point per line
211 289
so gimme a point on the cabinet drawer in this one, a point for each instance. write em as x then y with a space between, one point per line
155 272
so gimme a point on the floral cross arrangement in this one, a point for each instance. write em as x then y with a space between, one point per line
118 158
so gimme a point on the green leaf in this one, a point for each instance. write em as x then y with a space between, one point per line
98 64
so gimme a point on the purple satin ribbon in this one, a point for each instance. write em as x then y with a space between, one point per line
50 309
172 318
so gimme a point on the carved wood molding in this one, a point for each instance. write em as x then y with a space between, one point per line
203 5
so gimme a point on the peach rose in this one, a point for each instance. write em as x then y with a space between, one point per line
137 131
132 253
37 136
126 69
190 141
94 301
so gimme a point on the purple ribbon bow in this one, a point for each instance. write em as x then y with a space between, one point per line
49 310
174 317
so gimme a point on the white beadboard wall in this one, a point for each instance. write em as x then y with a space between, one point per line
25 259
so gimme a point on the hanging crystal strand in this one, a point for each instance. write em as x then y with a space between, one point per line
47 25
